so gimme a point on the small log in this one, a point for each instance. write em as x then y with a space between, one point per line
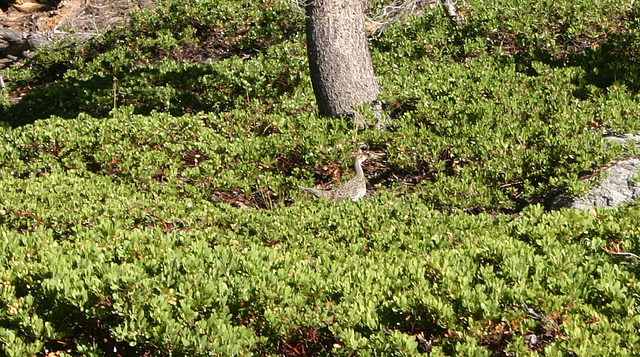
20 42
13 36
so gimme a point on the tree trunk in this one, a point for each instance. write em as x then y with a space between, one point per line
450 8
340 64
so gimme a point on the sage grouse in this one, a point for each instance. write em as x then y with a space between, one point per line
353 189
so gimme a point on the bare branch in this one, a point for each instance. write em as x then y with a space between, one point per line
616 249
624 254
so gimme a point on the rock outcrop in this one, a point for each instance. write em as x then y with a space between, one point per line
620 185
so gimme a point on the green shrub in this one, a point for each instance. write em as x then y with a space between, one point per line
128 229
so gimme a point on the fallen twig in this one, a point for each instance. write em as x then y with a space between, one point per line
624 254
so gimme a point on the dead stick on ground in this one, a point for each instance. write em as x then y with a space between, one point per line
624 254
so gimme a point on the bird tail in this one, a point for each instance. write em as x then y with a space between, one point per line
315 191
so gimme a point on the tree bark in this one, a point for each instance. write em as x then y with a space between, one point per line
450 8
339 60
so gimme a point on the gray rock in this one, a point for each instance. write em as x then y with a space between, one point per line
623 139
617 187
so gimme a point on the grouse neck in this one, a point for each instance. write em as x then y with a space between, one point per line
358 166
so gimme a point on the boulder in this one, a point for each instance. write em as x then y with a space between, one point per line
619 185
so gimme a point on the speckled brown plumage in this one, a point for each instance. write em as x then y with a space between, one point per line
353 189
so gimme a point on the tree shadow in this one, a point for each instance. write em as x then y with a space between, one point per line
69 77
146 89
613 62
609 58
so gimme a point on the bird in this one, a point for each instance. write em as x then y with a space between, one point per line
353 189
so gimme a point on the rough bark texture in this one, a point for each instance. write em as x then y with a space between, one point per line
340 64
450 8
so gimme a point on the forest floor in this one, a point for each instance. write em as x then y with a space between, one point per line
79 17
49 19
